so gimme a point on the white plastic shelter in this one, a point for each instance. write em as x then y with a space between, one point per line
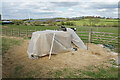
53 42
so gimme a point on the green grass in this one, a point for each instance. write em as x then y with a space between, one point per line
18 71
29 27
58 73
95 22
102 73
7 43
89 72
18 68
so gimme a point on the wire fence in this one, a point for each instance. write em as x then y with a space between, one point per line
87 36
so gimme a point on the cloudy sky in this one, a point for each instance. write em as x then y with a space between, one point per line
13 9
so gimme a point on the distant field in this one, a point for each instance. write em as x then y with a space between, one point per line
97 22
99 29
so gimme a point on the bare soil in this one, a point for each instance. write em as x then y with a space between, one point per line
17 61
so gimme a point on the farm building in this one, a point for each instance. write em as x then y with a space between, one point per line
36 20
7 22
58 20
45 20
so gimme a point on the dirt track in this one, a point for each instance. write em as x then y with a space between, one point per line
18 57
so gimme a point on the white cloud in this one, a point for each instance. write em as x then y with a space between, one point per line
44 7
61 0
30 4
67 9
115 12
70 9
85 6
102 10
24 4
11 3
46 11
116 9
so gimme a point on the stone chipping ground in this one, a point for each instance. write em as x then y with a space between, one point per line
17 61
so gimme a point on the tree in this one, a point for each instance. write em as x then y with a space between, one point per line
62 23
0 17
37 23
18 22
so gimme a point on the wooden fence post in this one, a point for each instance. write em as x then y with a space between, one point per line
26 32
19 32
6 31
11 32
35 29
90 35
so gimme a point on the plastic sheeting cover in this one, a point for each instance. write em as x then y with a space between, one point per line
41 41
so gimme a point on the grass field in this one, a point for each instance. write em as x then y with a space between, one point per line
89 73
99 29
7 43
95 22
